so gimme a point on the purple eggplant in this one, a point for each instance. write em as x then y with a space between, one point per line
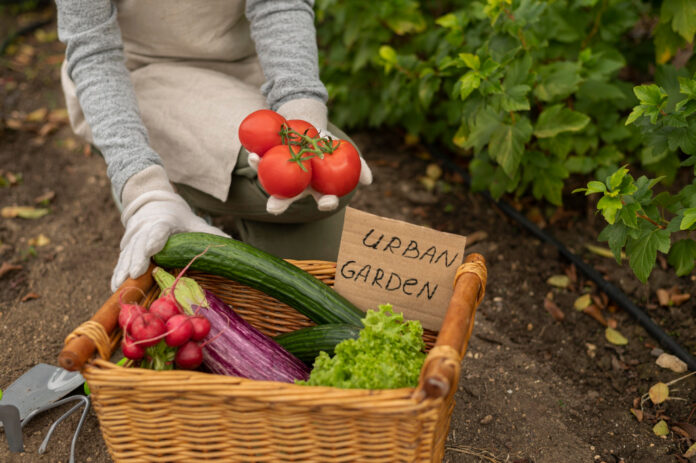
233 347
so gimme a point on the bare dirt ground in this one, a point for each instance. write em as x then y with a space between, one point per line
534 388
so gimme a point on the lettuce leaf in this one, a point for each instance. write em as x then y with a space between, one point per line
388 354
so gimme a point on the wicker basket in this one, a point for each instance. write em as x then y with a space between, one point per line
190 416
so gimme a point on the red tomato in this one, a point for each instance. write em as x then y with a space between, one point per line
303 127
282 176
338 173
260 131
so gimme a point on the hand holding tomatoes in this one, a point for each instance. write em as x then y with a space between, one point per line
301 162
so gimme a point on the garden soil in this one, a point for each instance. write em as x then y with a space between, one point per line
534 387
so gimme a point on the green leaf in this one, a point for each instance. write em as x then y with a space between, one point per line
635 114
507 144
486 122
472 61
558 80
515 98
689 218
597 90
388 54
594 186
469 82
683 17
628 214
609 207
650 94
557 119
448 21
642 252
682 256
617 178
615 235
667 43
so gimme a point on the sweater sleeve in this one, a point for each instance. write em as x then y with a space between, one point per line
286 43
95 63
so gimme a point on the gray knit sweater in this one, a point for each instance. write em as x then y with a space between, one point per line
285 39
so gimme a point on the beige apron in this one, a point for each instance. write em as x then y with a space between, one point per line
196 76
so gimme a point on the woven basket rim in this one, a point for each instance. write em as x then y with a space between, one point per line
401 399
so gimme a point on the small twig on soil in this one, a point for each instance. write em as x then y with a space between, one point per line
486 455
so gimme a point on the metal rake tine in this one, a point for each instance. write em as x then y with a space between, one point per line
79 426
44 444
57 403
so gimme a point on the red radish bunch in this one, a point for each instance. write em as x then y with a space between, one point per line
177 330
294 156
172 334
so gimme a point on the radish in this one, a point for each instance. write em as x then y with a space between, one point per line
179 330
132 350
147 329
189 356
201 327
165 307
128 313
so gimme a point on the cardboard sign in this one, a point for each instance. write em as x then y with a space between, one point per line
411 267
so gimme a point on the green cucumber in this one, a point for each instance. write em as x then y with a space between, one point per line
260 270
306 343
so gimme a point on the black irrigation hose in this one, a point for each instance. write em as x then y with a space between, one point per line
614 293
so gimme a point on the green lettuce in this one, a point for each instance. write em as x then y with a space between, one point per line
388 354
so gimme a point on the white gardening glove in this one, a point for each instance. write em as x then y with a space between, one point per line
150 217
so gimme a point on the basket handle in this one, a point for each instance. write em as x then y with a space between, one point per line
95 333
440 372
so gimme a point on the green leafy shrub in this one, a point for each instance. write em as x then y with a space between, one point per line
532 91
642 223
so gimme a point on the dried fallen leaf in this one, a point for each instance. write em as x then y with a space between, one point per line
14 124
591 350
680 431
594 312
658 393
691 452
559 281
612 323
572 273
30 296
475 237
428 183
671 362
679 299
661 428
582 302
6 267
37 115
689 428
433 171
663 296
13 179
617 364
45 198
39 241
24 212
59 115
604 252
553 309
615 337
47 129
638 414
